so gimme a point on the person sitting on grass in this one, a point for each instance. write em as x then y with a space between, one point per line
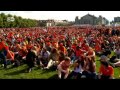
117 52
30 59
71 54
105 71
44 57
53 59
63 68
78 69
3 54
91 54
89 70
61 57
104 58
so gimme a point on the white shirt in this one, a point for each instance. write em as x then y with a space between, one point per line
78 69
117 51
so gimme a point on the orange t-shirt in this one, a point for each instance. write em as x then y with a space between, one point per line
90 53
29 46
79 53
81 39
10 55
86 48
109 71
97 48
1 46
63 49
65 65
74 47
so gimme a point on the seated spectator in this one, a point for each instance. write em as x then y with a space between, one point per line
89 69
44 57
104 58
78 69
63 68
30 59
106 71
71 54
61 57
53 59
117 52
91 54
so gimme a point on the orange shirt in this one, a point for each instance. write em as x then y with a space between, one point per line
74 47
29 46
79 53
109 71
97 48
1 46
81 39
63 49
86 48
10 55
90 53
65 65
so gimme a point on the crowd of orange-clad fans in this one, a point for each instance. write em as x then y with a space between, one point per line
60 48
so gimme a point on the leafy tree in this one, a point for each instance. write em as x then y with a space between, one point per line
18 21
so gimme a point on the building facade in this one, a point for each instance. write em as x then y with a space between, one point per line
46 23
91 20
116 19
52 22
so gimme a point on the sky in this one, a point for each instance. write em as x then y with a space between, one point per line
62 15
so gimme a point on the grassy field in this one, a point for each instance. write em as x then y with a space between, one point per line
19 73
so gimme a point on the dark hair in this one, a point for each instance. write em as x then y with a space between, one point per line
77 47
67 59
54 50
105 63
91 65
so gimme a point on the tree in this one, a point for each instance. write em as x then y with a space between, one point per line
5 21
1 21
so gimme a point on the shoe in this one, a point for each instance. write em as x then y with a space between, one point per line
29 70
2 65
46 68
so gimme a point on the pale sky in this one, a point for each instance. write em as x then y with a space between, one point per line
62 15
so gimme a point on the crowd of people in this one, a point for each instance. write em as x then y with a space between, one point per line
71 51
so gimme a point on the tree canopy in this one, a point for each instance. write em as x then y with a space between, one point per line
17 22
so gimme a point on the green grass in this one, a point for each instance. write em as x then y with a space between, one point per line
19 72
